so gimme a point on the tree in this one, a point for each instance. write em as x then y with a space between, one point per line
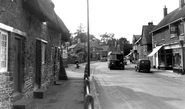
80 34
107 38
125 45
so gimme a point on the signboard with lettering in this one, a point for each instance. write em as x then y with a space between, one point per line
173 30
64 54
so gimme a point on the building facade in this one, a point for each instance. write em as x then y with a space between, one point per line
168 40
136 48
29 48
146 41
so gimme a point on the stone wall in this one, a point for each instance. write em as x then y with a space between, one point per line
13 15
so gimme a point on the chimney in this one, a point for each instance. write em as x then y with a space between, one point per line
165 11
150 23
181 3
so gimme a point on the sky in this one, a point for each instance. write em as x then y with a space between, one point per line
124 18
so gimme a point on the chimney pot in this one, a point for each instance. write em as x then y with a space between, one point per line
165 11
150 23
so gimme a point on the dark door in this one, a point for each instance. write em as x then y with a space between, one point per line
38 64
17 66
169 59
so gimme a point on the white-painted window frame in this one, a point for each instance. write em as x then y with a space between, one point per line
3 51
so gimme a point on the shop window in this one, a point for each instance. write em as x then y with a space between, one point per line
177 60
181 29
3 51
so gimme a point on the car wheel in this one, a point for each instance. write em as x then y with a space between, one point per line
139 70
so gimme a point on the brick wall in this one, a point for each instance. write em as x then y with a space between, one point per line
12 14
163 37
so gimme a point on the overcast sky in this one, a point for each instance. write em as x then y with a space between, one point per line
124 18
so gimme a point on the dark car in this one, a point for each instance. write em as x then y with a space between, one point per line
115 60
143 65
103 59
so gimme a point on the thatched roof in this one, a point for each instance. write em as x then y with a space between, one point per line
44 11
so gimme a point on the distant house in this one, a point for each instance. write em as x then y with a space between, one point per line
136 47
75 48
105 50
95 51
168 51
146 41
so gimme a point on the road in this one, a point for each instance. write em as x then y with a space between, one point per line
128 89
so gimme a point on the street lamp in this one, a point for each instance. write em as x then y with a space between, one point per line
181 41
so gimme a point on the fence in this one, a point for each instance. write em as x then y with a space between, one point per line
88 98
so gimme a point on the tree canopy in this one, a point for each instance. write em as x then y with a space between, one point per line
123 43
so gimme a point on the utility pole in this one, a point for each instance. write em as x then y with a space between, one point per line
88 63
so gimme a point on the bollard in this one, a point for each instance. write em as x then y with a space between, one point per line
86 70
86 84
86 76
89 102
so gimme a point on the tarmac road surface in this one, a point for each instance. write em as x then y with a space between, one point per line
128 89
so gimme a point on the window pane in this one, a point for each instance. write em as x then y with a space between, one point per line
5 44
2 64
3 50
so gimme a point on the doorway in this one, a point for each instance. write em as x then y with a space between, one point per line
38 64
17 75
169 59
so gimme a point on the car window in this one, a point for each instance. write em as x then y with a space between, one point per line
112 57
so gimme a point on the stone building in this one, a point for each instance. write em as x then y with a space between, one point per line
168 40
136 47
146 41
30 38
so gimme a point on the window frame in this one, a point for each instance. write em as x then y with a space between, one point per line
43 52
6 51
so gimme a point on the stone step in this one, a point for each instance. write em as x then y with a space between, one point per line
24 104
40 93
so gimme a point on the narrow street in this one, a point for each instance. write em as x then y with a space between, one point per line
128 89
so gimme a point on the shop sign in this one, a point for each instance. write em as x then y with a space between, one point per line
64 54
173 30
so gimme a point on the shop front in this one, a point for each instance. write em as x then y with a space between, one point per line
177 54
165 59
173 56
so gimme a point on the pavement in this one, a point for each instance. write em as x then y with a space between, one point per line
68 94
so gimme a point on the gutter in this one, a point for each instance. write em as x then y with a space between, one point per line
167 24
137 40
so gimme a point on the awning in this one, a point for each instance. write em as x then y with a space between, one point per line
155 50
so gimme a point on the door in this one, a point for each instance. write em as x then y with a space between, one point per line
38 64
169 59
17 66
